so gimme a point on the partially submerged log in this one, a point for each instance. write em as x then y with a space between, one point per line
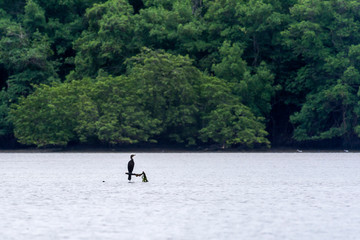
144 178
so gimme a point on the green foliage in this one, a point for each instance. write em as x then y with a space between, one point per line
156 97
122 116
232 67
5 123
168 87
225 120
25 58
54 115
82 110
107 41
326 38
255 90
166 4
216 72
234 125
157 26
333 110
213 92
34 17
254 24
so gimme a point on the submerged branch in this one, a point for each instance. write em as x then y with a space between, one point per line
144 178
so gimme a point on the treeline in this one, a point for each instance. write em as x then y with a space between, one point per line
229 73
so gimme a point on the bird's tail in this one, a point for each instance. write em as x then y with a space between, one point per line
129 178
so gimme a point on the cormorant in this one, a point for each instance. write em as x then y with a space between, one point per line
131 166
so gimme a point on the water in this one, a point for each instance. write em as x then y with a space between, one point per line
188 196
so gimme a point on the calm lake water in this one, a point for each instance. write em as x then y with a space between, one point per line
189 196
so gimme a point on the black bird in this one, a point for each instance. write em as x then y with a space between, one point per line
131 165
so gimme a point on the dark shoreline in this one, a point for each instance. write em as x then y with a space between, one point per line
82 149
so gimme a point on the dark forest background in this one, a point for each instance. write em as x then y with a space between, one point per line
238 74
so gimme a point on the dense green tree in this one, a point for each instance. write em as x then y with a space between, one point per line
82 111
166 4
66 11
333 110
158 96
65 23
168 86
255 24
254 89
34 17
162 97
225 120
157 26
232 67
108 40
234 125
25 61
196 6
325 37
218 72
123 118
25 57
55 115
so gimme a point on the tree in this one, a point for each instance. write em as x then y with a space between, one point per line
55 115
254 89
122 116
83 111
334 113
167 85
234 125
325 38
34 17
25 61
225 120
108 41
64 25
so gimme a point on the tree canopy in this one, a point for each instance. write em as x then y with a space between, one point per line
228 73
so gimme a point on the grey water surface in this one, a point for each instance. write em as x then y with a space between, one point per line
188 196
